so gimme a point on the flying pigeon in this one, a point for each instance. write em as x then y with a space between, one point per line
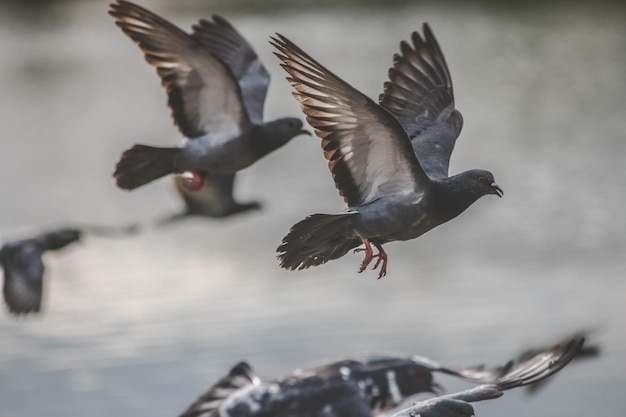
215 199
534 369
386 381
380 382
364 388
216 89
23 268
389 161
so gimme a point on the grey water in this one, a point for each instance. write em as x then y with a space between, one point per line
141 326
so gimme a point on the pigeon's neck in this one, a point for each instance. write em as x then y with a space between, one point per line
453 196
265 139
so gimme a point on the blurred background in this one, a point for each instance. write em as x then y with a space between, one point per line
142 326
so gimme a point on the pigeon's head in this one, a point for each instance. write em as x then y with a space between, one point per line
482 182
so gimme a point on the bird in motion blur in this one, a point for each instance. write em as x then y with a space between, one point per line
23 268
214 200
368 387
381 383
389 160
216 89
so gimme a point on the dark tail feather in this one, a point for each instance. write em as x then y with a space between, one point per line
317 239
141 164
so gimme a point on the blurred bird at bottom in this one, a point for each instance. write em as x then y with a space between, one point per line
364 388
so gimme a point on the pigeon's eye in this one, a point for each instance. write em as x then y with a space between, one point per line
481 178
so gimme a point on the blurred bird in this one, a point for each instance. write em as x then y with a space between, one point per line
216 89
534 369
389 161
364 388
379 382
23 268
215 199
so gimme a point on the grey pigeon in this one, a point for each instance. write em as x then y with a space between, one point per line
373 383
23 268
389 161
216 89
215 199
536 368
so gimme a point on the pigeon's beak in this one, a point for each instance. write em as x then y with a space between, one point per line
304 132
497 190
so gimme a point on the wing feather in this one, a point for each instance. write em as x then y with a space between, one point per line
202 94
227 45
368 152
540 366
419 94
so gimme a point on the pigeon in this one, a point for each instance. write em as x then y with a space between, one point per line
215 199
532 370
380 382
389 161
23 268
216 89
369 387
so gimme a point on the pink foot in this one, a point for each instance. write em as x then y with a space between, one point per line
369 257
194 180
382 257
369 254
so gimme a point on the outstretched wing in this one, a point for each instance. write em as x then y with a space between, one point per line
419 94
368 151
227 45
202 94
534 369
587 351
